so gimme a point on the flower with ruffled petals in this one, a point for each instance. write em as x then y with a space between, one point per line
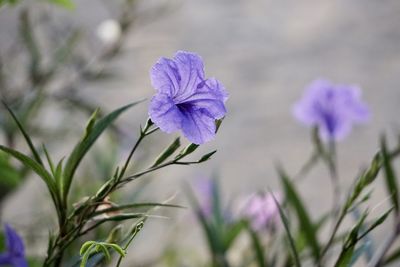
15 254
261 210
333 108
186 100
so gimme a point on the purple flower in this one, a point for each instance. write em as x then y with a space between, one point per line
261 210
333 108
185 99
15 254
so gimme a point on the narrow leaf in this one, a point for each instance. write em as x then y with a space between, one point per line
26 136
390 176
207 156
257 247
285 222
84 145
35 166
167 152
304 220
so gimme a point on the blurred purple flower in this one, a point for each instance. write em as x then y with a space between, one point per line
261 210
333 108
185 99
204 189
15 254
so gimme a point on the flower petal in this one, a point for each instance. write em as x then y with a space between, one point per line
197 126
15 245
356 107
164 113
165 77
210 97
191 72
5 258
19 262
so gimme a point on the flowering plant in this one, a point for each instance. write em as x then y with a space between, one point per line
92 225
77 221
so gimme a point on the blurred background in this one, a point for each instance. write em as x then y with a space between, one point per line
265 52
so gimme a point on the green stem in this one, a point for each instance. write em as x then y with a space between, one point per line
332 164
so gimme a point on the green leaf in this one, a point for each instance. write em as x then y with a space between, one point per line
213 236
87 253
91 123
187 150
345 257
115 234
390 176
90 248
49 161
35 166
103 249
218 217
84 145
26 136
135 205
68 4
11 177
367 243
232 232
58 174
257 247
365 179
285 222
376 223
85 247
392 258
207 156
118 249
350 243
11 2
304 220
167 152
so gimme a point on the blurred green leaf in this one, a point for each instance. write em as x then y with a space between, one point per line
392 257
115 234
215 245
390 176
68 4
365 179
348 254
11 2
285 222
36 167
10 176
367 246
27 33
350 242
304 220
257 247
232 232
